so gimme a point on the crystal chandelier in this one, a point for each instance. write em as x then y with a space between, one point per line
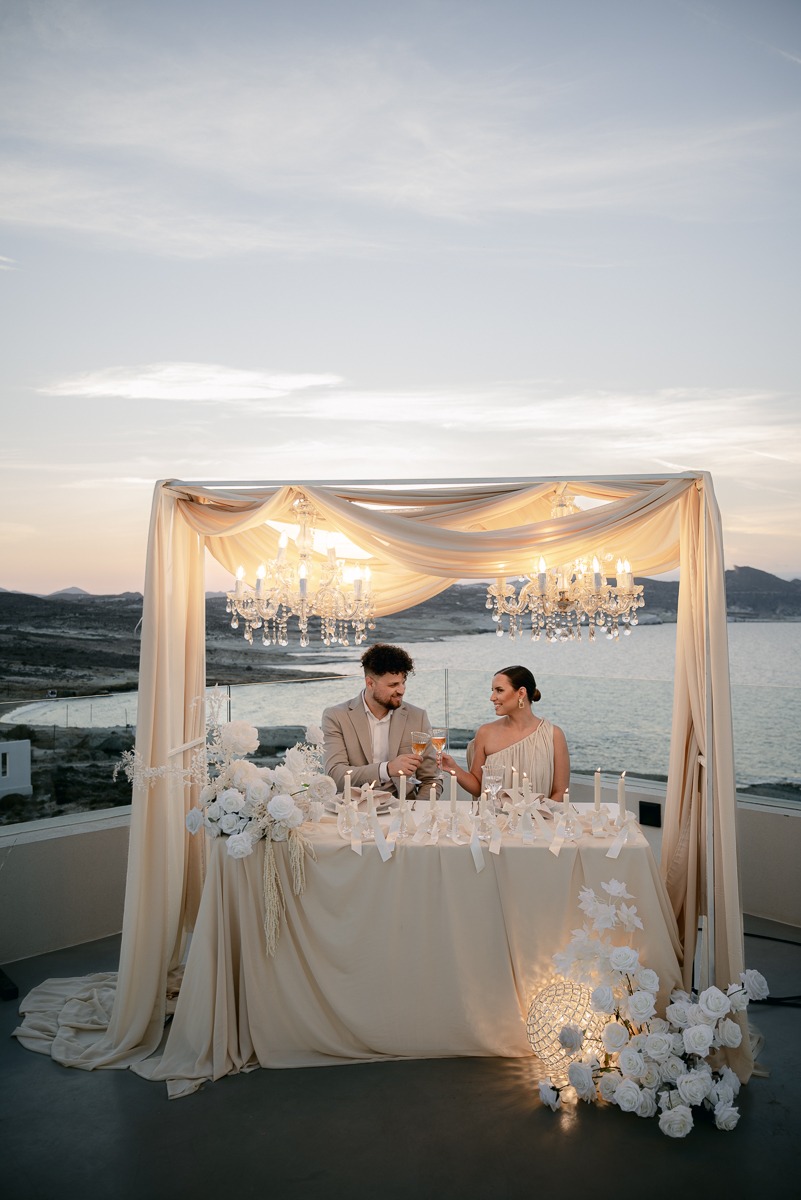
562 598
339 595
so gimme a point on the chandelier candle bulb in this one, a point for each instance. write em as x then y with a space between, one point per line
596 574
621 796
453 792
262 571
303 582
283 542
240 580
542 580
597 796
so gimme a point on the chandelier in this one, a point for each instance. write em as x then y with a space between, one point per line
338 594
561 599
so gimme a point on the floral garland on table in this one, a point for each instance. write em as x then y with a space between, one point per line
244 803
644 1063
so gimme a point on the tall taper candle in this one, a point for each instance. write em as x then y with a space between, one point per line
598 790
347 787
566 804
432 796
621 796
453 792
370 801
402 787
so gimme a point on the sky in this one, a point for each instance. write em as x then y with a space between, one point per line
350 239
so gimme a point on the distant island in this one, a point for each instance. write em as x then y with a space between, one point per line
75 643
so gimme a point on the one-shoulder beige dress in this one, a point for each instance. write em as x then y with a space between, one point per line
533 755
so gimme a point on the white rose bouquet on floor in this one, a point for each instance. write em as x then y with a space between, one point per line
644 1063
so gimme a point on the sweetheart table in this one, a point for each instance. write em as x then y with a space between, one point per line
421 956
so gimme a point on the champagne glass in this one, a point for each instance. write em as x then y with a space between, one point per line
492 784
439 737
419 741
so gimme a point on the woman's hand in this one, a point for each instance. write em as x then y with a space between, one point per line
449 763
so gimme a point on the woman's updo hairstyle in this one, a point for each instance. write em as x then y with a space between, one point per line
522 677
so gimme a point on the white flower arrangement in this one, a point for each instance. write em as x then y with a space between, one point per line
246 803
643 1063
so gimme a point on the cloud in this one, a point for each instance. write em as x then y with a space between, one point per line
7 264
186 381
207 154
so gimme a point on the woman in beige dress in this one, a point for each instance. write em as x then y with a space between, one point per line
517 739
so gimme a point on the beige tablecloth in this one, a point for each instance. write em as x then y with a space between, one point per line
418 957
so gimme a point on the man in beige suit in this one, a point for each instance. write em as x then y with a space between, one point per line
370 735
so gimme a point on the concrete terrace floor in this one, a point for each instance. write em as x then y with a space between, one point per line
438 1128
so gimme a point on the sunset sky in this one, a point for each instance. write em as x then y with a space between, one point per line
338 239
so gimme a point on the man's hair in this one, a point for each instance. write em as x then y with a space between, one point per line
382 659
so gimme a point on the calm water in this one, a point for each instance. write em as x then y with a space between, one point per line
612 700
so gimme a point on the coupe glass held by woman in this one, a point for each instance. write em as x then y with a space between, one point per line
439 738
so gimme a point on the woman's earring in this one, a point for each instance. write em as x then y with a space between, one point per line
519 701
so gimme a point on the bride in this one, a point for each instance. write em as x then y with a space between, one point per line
516 739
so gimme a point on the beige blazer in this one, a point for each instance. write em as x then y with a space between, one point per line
347 744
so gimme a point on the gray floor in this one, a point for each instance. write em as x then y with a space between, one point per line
442 1128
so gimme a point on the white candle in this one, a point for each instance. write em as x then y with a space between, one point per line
482 804
240 580
262 571
514 784
433 796
621 796
357 584
526 788
596 574
453 791
542 578
402 787
302 579
566 804
598 790
282 545
370 801
347 787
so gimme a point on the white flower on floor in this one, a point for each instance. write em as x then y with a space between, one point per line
639 1061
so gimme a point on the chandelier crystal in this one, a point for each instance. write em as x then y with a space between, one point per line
338 594
561 599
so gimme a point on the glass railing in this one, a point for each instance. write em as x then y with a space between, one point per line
613 723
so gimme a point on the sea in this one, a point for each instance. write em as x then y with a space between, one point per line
612 698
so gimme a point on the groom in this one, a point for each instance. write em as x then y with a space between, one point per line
371 734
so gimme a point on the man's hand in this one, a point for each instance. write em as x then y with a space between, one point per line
408 763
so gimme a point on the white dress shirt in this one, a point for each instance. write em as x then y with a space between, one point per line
379 735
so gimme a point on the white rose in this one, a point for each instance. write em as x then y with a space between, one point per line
647 1103
676 1122
231 801
208 793
631 1062
638 1041
580 1076
726 1115
280 807
213 811
679 996
614 1037
676 1013
697 1016
624 958
728 1077
730 1033
240 845
229 822
212 828
603 1000
314 735
237 737
693 1087
738 997
279 832
194 820
322 788
608 1085
678 1043
659 1046
627 1095
294 819
651 1075
284 779
244 774
714 1003
721 1091
697 1039
647 979
658 1025
549 1095
640 1006
570 1038
671 1068
260 792
756 985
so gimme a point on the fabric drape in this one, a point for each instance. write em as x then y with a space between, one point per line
419 539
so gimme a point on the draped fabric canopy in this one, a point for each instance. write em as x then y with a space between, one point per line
420 537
